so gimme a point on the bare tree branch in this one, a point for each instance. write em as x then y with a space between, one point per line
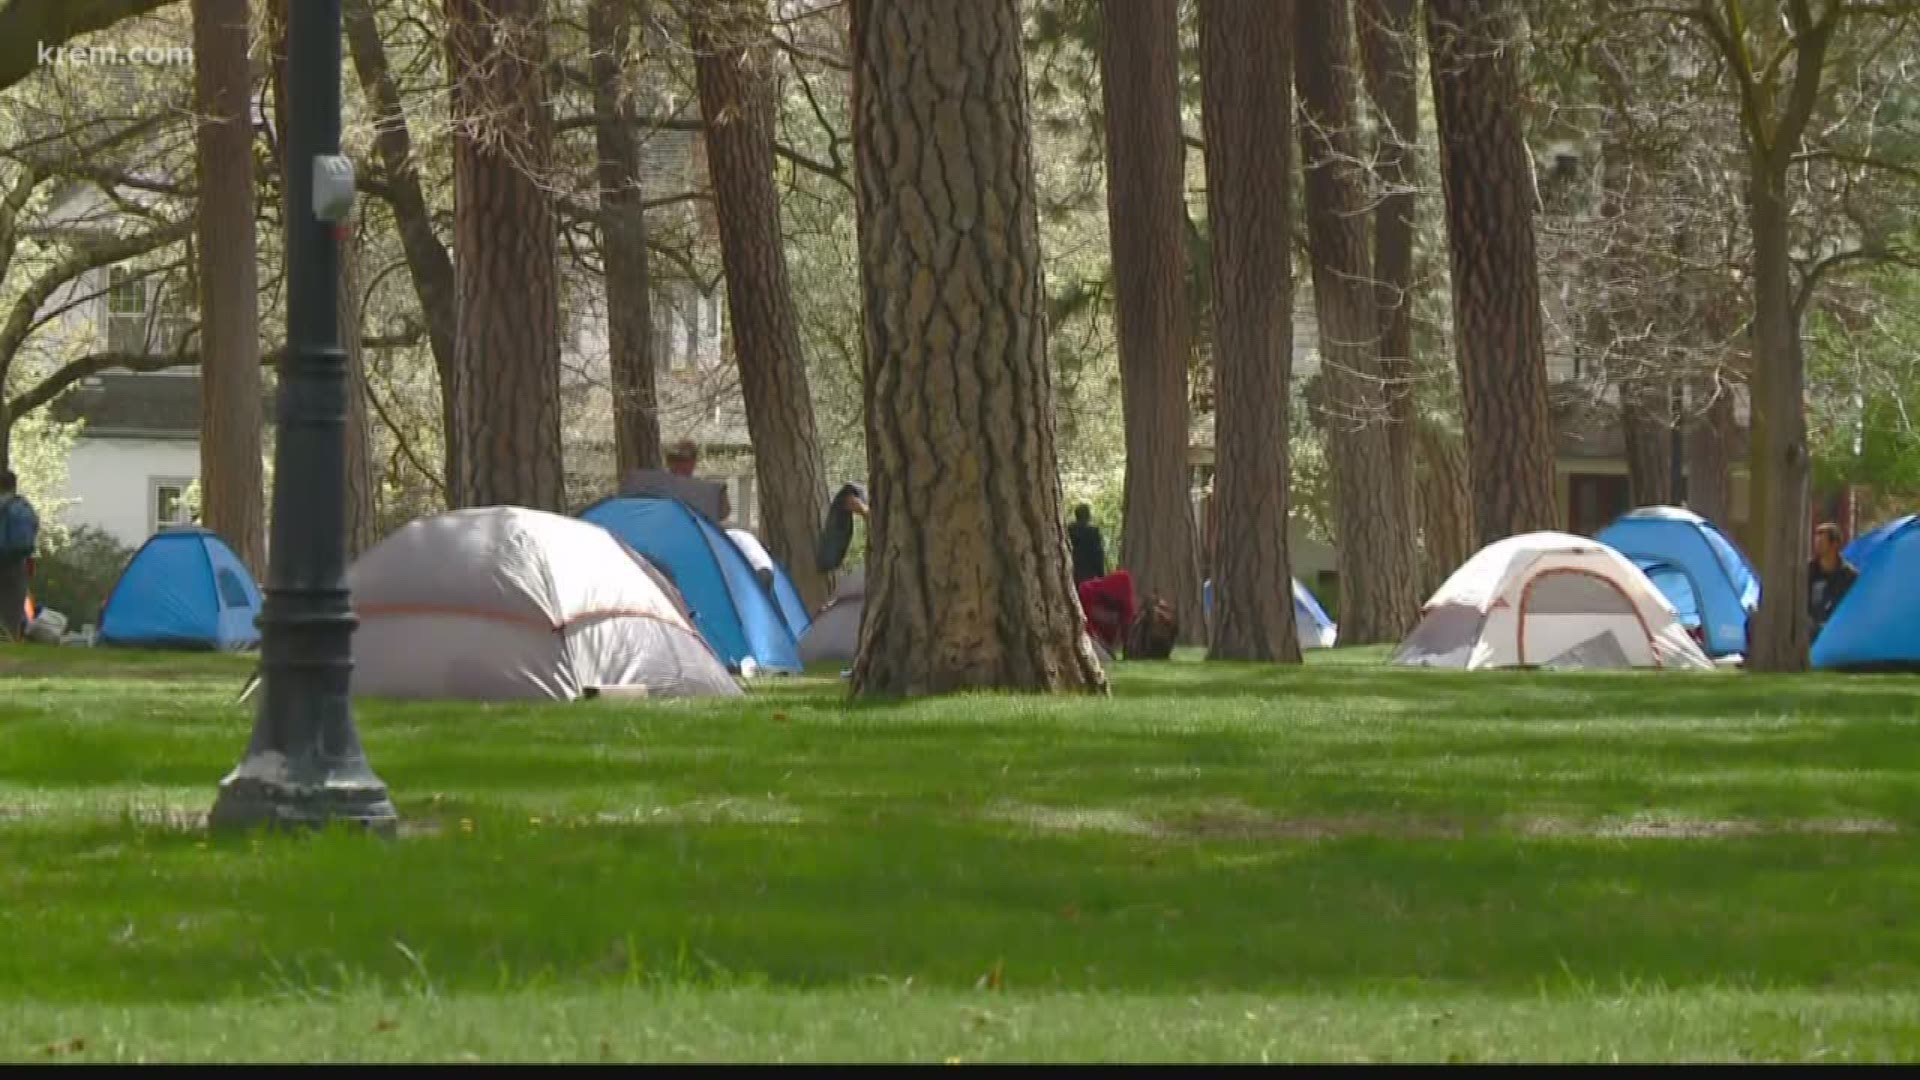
403 447
668 123
1865 161
83 257
94 363
1872 254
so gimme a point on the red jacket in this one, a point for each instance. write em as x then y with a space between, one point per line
1109 606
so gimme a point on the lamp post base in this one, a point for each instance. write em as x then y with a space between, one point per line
263 791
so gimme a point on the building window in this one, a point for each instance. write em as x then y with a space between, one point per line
126 311
690 323
740 497
144 316
676 338
168 505
126 294
711 319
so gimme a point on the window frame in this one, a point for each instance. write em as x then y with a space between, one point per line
157 484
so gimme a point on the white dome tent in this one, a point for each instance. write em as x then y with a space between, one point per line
504 603
1549 600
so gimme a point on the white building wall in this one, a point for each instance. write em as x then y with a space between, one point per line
112 482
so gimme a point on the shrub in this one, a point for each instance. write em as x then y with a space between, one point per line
74 576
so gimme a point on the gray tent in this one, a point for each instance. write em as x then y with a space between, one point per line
835 633
502 603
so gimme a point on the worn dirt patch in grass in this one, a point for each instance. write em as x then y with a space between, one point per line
1232 821
1218 821
1666 827
153 817
1075 819
702 812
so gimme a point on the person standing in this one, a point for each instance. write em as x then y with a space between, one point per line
1829 576
677 481
19 539
1089 549
836 535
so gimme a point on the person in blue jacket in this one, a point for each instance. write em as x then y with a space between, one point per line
19 539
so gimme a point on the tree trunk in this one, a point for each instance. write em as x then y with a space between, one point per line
1709 436
232 489
363 474
507 344
1373 507
969 583
731 61
1388 36
1146 211
623 240
1777 466
1246 58
428 264
1446 505
1647 432
1487 177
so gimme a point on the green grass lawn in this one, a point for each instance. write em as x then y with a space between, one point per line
1341 862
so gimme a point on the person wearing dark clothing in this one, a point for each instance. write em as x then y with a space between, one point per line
1829 577
19 538
1089 550
836 536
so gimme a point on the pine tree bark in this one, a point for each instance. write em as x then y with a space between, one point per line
623 239
1498 340
731 62
1446 505
1246 58
1146 211
232 486
507 343
363 473
429 266
969 584
1373 506
1388 35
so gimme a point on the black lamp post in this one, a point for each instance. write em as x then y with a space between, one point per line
304 765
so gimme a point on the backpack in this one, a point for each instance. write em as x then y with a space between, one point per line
1154 631
19 529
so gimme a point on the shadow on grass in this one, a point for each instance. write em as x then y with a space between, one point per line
809 906
1557 695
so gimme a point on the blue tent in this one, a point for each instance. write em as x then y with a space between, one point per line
1877 624
1710 584
1864 544
730 608
785 595
1316 628
184 589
